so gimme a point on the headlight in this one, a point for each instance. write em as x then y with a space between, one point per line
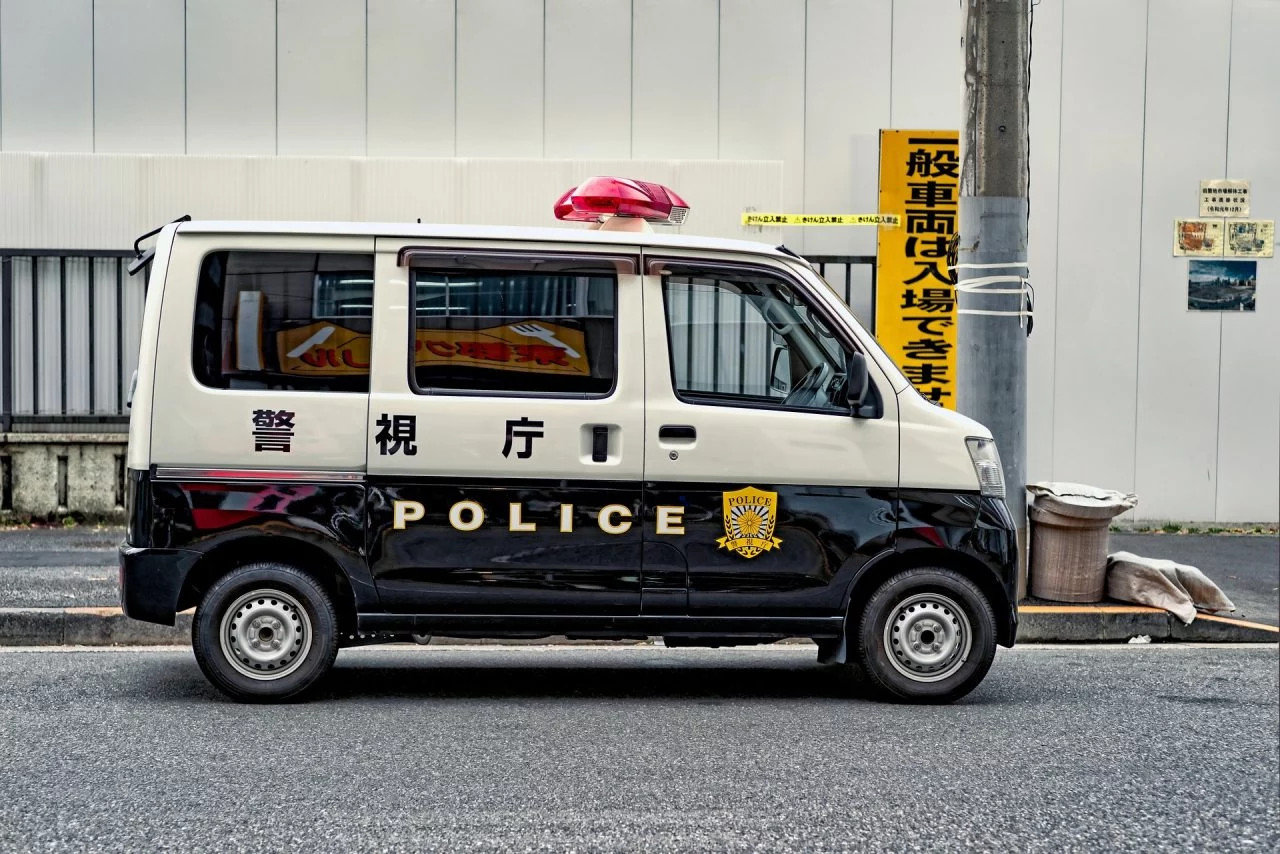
986 462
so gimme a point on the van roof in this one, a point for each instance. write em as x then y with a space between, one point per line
481 232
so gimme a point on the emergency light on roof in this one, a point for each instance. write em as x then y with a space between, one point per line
621 203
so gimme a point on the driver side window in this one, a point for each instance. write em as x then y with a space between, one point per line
744 338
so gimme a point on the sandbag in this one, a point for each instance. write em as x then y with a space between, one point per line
1175 587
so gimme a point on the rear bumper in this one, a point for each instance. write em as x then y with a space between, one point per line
151 581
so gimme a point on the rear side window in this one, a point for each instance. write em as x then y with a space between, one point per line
284 320
515 331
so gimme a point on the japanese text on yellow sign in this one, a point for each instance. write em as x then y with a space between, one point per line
915 297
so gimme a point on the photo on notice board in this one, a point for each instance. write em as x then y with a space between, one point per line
1222 285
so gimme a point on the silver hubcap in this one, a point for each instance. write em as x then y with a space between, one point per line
266 634
927 637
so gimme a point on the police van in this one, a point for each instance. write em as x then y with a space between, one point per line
345 434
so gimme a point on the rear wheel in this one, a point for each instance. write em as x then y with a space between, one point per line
265 632
926 635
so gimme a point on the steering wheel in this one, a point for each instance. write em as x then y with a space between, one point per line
804 391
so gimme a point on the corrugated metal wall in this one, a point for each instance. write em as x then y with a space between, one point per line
1133 103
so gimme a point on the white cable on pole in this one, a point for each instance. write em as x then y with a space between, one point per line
979 285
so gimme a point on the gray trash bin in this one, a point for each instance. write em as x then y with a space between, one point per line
1070 525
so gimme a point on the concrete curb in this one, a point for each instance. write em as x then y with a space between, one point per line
1119 623
1037 624
86 627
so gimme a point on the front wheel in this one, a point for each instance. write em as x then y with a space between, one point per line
265 632
927 635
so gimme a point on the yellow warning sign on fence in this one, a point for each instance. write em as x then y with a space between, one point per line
820 219
915 293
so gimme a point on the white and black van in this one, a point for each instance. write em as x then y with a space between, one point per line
354 433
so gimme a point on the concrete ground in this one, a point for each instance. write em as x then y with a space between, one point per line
1098 748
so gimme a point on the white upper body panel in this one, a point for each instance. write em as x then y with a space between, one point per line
178 421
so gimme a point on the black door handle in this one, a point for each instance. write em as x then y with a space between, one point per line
677 431
599 444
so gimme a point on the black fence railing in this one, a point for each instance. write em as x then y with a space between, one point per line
854 278
71 320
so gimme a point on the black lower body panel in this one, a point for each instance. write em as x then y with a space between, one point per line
604 626
151 582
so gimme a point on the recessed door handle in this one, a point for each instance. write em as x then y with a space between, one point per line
677 431
599 444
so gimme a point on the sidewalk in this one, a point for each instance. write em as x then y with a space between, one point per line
60 586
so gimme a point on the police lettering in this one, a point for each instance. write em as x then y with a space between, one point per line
470 516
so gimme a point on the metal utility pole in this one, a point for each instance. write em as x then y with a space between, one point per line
991 357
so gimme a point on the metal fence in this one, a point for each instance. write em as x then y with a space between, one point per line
71 320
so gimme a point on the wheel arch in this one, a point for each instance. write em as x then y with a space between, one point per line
306 557
889 564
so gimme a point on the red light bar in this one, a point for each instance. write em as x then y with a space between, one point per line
597 198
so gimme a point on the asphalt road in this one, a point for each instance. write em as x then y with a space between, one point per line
633 749
52 568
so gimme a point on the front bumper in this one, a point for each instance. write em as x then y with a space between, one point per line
151 582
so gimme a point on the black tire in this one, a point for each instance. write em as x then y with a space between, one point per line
936 605
286 634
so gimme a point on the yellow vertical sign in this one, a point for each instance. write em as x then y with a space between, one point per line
915 297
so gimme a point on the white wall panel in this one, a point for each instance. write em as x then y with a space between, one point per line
1178 349
762 90
117 198
1098 225
46 75
231 77
500 78
411 78
928 65
406 190
718 191
844 112
139 63
588 84
1249 407
321 66
1042 240
676 73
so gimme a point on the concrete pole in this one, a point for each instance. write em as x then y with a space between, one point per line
991 358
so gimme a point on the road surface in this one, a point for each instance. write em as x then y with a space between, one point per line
640 749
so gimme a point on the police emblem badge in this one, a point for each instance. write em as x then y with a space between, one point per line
750 516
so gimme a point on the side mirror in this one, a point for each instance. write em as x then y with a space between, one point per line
857 382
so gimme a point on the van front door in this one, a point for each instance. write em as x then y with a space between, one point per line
505 432
755 468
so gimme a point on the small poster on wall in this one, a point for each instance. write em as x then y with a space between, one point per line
1254 237
1201 237
1224 198
1222 285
